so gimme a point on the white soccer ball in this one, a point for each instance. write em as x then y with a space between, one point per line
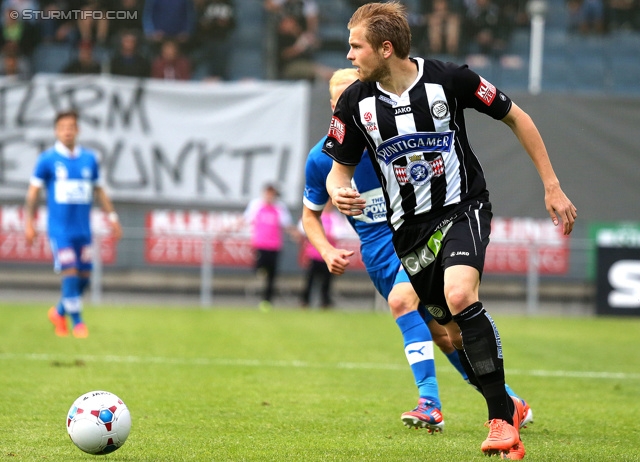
98 422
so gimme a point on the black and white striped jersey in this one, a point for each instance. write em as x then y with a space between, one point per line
417 141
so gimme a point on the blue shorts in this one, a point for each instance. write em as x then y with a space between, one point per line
71 253
389 275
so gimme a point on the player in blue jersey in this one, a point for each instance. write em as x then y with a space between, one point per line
419 329
70 175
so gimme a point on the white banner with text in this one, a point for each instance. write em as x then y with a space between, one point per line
160 141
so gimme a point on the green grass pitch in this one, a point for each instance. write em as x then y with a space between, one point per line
234 384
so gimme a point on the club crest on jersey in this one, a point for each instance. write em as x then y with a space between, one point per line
486 92
439 109
86 172
418 171
337 129
61 171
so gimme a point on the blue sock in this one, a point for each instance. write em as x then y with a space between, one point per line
418 347
60 308
454 358
71 301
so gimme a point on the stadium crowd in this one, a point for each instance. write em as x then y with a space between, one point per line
190 39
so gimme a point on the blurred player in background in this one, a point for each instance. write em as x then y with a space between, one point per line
269 219
409 114
70 175
418 327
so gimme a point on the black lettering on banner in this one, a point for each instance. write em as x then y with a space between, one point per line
81 98
205 172
117 109
161 161
110 163
247 154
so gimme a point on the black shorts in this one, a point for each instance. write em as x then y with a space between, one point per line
461 238
267 259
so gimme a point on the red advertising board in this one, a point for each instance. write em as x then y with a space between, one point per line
176 237
13 246
514 239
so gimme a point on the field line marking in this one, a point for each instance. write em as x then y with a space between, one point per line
291 364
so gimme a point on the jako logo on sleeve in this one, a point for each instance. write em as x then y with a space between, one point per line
337 129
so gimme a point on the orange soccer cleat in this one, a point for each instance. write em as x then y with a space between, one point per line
80 330
502 438
59 322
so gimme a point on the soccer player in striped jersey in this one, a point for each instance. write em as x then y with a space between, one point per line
408 113
419 330
70 174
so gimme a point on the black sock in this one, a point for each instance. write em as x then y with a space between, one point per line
483 349
471 375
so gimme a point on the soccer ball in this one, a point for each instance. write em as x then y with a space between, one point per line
98 422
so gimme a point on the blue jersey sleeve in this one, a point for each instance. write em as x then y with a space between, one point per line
317 169
42 170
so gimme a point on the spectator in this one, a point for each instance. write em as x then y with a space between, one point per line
128 61
23 34
93 25
443 21
586 16
131 19
168 19
305 12
216 20
623 14
318 273
171 64
268 217
294 51
13 65
485 28
296 32
85 63
19 5
56 29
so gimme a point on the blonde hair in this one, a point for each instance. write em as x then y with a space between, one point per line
341 78
382 22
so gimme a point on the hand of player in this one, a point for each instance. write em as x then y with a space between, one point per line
560 208
348 201
337 260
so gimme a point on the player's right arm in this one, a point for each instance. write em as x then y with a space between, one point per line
346 199
337 260
30 206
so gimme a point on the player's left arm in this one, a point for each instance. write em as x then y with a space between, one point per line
107 206
336 259
557 203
